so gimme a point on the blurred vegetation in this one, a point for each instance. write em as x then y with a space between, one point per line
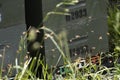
114 28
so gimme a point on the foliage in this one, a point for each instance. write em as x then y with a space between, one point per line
114 27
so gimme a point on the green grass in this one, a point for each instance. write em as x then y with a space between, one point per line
92 72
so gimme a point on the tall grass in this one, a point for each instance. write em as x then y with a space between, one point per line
88 72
